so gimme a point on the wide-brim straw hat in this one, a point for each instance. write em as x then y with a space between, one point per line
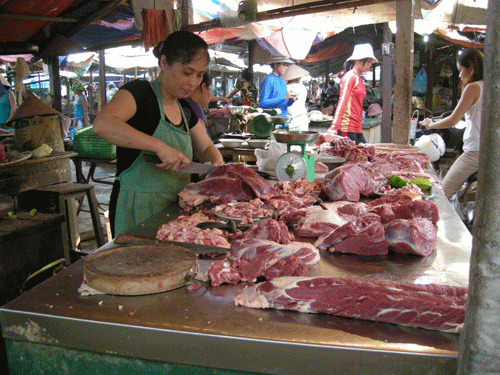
294 72
280 59
362 51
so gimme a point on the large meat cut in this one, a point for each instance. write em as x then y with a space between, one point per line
352 239
250 248
273 230
416 236
231 182
438 307
347 183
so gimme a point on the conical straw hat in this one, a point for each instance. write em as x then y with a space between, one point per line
32 107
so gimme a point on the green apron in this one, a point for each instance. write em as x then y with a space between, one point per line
146 189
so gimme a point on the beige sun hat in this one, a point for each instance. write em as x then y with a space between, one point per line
362 51
294 72
280 59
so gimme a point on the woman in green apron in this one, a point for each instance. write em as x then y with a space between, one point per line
154 117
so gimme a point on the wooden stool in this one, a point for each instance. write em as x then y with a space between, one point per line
65 194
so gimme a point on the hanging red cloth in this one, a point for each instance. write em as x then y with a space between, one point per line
154 28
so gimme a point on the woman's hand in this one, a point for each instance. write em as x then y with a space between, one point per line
427 122
171 158
227 100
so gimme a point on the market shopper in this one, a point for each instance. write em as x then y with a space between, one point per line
200 97
80 111
470 66
7 101
154 117
274 93
246 89
297 111
349 111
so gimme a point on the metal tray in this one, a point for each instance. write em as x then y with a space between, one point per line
291 136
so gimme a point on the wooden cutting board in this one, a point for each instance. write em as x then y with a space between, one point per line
138 270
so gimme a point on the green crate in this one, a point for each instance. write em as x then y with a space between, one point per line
89 145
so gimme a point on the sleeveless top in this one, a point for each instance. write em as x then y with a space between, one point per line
473 124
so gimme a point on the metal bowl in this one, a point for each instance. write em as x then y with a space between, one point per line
238 110
297 136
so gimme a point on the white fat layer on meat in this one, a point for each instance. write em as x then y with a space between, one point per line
389 311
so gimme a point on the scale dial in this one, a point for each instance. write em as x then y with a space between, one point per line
290 167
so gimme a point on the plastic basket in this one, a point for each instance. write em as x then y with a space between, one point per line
89 145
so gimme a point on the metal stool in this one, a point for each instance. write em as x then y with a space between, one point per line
65 194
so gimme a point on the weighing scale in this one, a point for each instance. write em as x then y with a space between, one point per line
263 124
294 165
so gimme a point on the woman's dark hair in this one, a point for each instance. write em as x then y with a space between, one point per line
180 46
207 80
471 58
348 65
247 75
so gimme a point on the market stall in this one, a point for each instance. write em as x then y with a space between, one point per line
203 329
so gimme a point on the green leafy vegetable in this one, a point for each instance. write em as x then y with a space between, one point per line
397 182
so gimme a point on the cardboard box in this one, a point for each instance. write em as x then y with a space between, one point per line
32 132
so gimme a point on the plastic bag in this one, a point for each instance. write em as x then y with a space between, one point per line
266 159
420 82
432 145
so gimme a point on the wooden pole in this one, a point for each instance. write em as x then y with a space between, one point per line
404 72
101 99
387 73
55 81
479 349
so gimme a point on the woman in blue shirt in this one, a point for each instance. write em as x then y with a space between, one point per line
7 101
80 113
274 92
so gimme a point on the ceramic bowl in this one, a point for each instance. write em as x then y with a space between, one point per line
258 143
231 143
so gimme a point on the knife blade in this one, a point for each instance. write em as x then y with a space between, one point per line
134 240
191 168
199 168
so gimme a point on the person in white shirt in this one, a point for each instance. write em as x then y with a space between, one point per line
297 111
470 66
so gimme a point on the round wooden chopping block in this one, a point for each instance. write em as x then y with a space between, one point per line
137 270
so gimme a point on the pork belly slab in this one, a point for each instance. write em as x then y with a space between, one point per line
432 306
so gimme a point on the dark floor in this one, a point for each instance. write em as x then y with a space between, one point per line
105 172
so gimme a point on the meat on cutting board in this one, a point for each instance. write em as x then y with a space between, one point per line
415 236
348 183
437 307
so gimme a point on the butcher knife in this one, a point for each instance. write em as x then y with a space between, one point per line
133 239
191 168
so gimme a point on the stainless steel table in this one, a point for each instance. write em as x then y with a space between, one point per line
205 329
